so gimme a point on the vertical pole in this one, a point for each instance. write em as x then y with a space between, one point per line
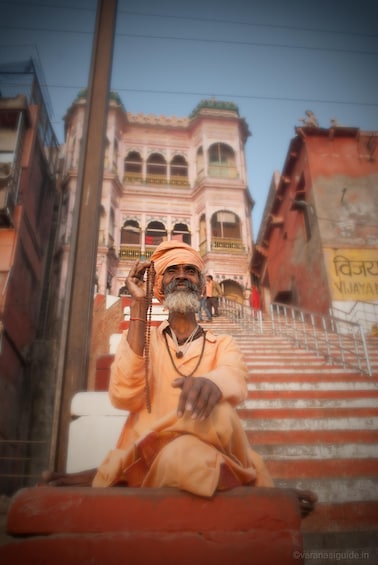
77 318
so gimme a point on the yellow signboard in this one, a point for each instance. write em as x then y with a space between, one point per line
353 273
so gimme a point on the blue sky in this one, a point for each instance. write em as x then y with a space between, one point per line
274 58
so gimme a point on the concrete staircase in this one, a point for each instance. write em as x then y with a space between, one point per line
316 427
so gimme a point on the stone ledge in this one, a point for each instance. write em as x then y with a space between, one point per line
44 510
81 525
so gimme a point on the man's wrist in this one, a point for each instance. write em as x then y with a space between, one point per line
138 308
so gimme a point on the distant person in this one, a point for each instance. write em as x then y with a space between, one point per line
255 301
203 306
213 293
124 291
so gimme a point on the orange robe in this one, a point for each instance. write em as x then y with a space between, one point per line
158 449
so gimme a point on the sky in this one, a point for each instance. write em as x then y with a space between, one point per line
275 59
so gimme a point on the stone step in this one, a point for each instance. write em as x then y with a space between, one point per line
257 371
351 547
279 386
302 403
294 423
288 364
310 391
309 437
330 375
336 490
284 451
314 469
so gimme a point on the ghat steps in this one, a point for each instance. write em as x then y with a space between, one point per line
315 425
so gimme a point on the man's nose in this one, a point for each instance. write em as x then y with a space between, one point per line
180 272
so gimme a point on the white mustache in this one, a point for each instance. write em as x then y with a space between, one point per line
173 285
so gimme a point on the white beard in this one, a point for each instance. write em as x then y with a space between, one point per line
182 301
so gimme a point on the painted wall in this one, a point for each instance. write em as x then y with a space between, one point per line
319 238
23 253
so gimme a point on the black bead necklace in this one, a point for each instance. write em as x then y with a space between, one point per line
199 359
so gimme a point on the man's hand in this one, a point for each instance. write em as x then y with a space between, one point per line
198 396
135 279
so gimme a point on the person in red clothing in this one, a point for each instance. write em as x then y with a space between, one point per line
255 301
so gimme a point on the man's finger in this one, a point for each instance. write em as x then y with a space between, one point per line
209 397
198 397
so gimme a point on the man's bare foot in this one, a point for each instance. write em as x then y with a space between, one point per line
82 479
307 500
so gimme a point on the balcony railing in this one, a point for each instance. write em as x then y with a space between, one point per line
130 253
133 178
223 245
223 171
137 178
179 180
156 179
133 253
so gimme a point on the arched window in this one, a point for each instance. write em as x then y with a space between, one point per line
130 233
181 232
156 169
202 228
225 225
179 170
133 167
222 161
115 156
200 163
233 290
111 227
202 235
155 233
106 154
102 227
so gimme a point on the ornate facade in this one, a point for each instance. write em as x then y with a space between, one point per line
168 178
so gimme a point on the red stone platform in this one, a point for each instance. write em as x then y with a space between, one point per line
77 526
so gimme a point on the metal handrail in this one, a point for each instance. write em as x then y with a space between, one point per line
242 314
340 341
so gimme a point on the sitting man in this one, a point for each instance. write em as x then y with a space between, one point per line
181 385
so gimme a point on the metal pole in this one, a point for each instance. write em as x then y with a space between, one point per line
84 239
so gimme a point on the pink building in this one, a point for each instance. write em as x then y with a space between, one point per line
164 178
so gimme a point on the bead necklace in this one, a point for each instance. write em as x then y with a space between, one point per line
182 349
150 280
198 362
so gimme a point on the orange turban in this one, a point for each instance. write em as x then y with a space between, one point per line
171 253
